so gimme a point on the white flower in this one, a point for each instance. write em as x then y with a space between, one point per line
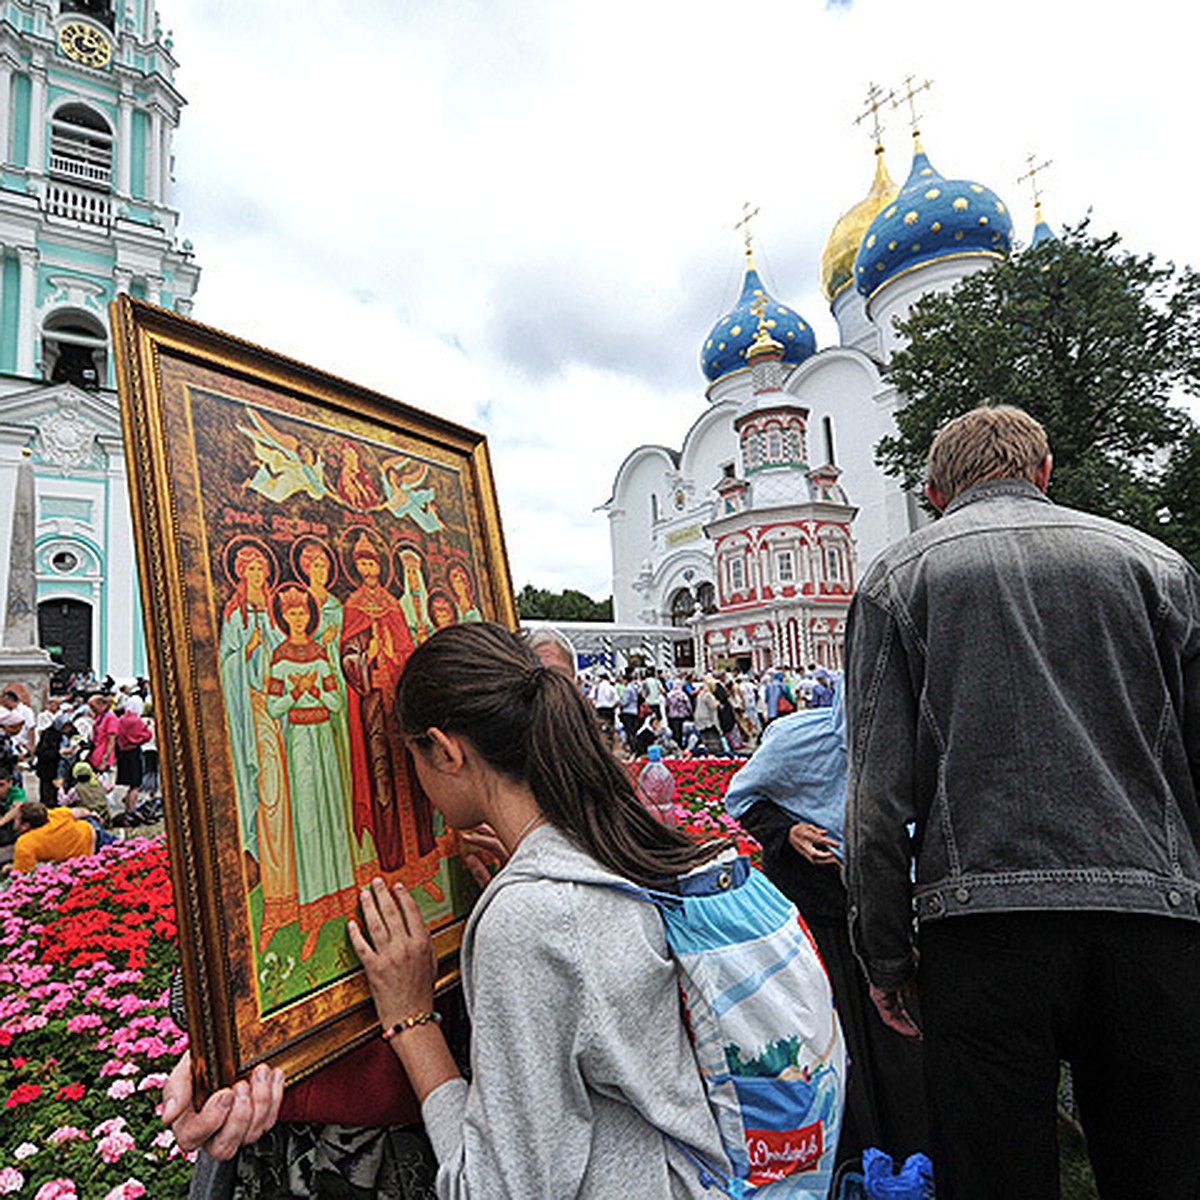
25 1150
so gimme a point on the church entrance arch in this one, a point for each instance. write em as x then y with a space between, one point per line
65 633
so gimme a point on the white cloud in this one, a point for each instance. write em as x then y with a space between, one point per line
521 215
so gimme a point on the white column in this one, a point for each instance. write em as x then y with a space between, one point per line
122 278
154 289
124 141
153 158
6 68
37 116
164 161
27 301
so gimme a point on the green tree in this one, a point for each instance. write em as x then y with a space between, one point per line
1098 344
569 605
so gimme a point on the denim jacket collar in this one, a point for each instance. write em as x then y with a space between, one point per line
997 487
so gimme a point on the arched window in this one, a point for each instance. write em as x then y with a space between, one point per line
706 597
98 10
81 146
65 632
683 604
74 350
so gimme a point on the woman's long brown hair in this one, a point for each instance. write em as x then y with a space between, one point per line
531 724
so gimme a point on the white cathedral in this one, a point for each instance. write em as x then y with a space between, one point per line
754 532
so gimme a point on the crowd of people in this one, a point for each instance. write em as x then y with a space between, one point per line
94 757
691 715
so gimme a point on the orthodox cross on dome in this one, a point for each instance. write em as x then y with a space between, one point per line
876 99
1032 175
909 97
759 308
748 215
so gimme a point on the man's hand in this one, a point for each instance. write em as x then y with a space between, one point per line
230 1118
813 843
897 1008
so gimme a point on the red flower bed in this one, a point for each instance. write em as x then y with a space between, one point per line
700 787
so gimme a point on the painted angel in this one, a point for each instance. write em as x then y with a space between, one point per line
405 497
286 464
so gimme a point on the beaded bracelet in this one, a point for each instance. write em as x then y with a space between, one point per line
412 1022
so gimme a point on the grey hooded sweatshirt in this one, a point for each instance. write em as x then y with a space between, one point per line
579 1054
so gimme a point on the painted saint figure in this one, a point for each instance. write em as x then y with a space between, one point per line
315 563
463 588
303 691
355 485
415 599
248 639
376 643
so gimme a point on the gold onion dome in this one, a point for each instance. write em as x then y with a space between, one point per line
837 262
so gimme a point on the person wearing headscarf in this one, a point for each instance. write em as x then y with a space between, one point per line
791 796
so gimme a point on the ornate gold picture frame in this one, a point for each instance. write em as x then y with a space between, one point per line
297 536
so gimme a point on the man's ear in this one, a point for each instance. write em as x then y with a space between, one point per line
447 751
1041 477
936 497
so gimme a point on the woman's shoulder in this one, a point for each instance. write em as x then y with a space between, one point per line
558 897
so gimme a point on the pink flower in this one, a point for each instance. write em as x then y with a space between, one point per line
163 1140
57 1189
152 1082
84 1021
112 1147
68 1133
11 1180
131 1189
121 1089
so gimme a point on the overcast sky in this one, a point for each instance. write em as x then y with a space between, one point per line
519 214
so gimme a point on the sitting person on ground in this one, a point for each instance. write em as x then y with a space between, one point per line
12 794
87 792
55 835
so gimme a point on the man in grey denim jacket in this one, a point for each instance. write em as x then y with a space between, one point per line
1023 687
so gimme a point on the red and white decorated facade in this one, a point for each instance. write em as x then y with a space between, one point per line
783 553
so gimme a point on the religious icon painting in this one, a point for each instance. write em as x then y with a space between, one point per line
297 538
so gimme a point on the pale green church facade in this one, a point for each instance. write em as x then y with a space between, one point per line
88 108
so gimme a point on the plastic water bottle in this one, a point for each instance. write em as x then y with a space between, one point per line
656 787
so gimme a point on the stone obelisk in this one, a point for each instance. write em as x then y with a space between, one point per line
24 665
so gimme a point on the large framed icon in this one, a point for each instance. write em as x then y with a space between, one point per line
297 536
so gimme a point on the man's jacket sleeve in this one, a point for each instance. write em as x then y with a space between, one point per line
882 710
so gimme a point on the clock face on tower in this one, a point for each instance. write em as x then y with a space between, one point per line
84 44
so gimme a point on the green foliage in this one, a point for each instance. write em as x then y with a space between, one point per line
1098 344
569 605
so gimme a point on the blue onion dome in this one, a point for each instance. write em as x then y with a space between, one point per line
932 218
726 345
